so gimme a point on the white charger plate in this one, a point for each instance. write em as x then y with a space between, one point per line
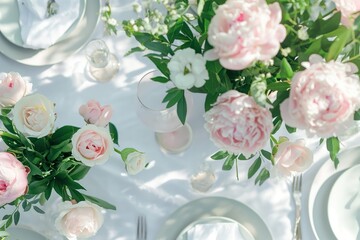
9 22
212 207
23 233
246 235
344 205
61 50
320 190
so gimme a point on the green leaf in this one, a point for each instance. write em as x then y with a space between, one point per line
290 129
285 69
220 155
39 210
114 133
262 177
7 123
161 65
16 217
38 186
160 79
133 50
79 172
126 151
254 167
76 195
277 124
62 134
357 115
182 109
173 96
99 202
339 43
229 162
64 179
174 30
279 86
210 100
56 150
163 48
266 154
187 31
333 146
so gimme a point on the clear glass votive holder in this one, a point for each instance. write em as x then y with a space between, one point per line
102 64
203 179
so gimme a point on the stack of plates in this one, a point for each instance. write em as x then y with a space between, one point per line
334 199
213 210
72 41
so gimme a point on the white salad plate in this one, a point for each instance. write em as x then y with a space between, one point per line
73 41
320 191
9 22
344 205
204 208
23 233
245 233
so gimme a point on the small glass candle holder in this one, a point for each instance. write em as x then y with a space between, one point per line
203 179
102 64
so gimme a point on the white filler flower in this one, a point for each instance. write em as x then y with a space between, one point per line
187 69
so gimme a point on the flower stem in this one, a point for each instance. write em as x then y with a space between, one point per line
237 169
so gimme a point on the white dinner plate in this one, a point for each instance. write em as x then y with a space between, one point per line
320 190
211 207
23 233
9 21
246 235
344 205
61 50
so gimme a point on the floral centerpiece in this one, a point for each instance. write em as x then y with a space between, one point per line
39 159
263 65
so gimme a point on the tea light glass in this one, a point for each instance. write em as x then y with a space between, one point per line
102 64
203 179
171 135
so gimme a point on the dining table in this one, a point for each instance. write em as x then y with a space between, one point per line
164 186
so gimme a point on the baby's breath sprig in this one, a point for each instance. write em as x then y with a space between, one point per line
109 22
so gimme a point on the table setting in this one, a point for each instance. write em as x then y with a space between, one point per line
179 120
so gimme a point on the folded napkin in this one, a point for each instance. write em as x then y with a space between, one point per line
215 231
38 31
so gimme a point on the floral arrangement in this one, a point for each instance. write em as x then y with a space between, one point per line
263 65
110 23
41 159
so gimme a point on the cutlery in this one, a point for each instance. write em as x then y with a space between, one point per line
141 230
296 191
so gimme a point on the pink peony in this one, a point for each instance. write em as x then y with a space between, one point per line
244 31
323 98
12 88
95 114
92 145
348 9
292 157
13 178
237 124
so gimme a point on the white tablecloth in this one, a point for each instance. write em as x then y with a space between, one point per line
163 187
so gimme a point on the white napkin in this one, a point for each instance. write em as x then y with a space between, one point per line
38 31
215 231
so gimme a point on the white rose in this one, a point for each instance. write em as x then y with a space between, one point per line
187 69
292 157
12 88
135 162
79 221
34 115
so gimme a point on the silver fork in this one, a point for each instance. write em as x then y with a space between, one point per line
141 230
296 190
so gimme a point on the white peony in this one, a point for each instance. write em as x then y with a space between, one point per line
187 69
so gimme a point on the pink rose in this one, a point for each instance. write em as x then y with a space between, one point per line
95 114
349 10
323 98
13 178
92 145
292 157
244 31
12 88
237 124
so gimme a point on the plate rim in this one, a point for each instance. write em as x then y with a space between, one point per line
332 192
216 205
225 219
72 44
323 174
63 37
26 228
